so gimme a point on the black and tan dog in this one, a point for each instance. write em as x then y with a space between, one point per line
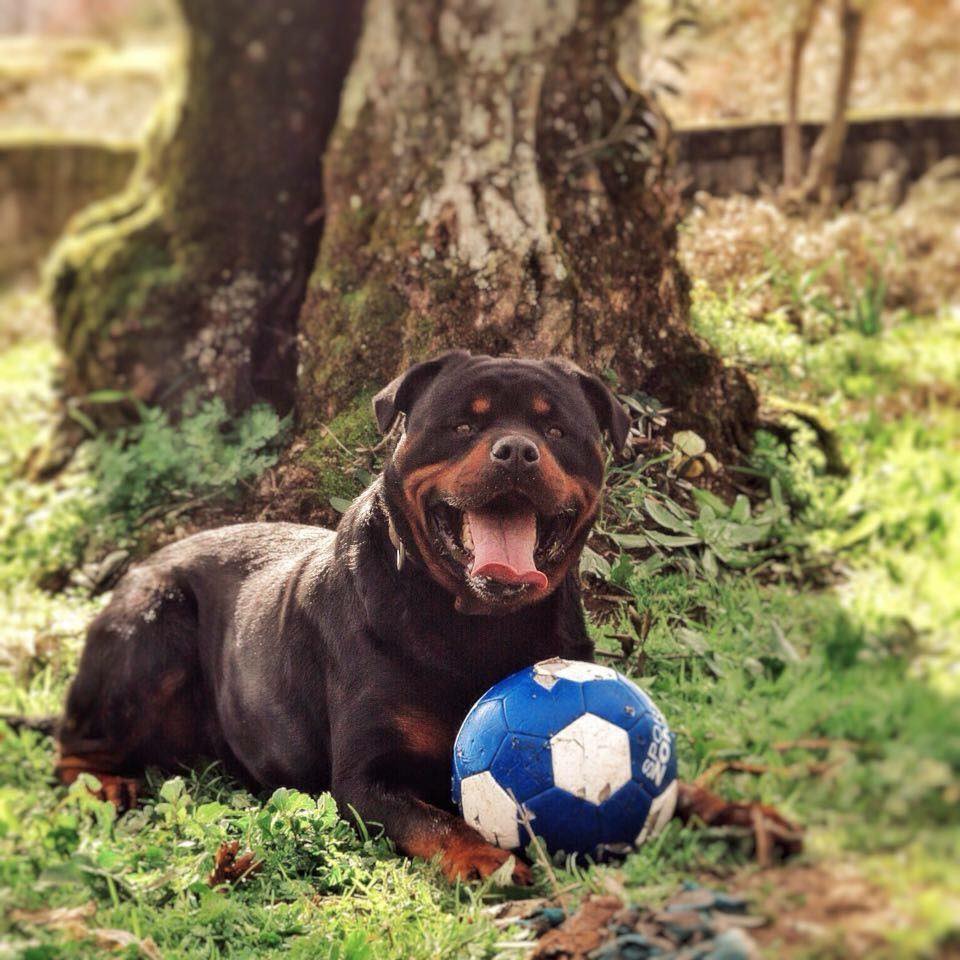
346 661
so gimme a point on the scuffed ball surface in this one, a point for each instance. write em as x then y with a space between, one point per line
576 748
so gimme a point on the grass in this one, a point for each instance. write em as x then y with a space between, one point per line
819 643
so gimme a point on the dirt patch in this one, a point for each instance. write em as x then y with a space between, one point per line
830 906
737 61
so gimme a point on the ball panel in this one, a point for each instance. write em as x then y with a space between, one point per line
615 702
652 754
564 821
490 811
580 671
642 696
538 712
661 813
591 758
620 815
479 738
522 764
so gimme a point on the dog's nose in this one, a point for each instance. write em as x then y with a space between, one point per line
515 451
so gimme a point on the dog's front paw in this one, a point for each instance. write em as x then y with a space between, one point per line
774 834
122 792
475 860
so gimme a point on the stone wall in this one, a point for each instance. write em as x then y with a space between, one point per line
43 184
745 157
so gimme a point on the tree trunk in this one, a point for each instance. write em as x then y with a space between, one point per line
193 278
492 185
821 177
806 13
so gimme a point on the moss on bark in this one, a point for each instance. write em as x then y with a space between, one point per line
493 185
331 452
192 278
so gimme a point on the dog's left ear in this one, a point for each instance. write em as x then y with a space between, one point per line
400 394
608 409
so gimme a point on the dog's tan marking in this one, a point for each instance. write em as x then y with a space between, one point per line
480 404
541 405
423 734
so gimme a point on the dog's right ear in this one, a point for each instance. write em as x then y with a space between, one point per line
400 394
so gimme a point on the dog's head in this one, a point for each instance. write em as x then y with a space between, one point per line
497 475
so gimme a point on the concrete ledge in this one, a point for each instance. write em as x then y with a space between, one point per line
743 157
43 182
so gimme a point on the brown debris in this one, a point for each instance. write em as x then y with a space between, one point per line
814 768
55 916
580 934
695 921
230 868
121 939
72 921
773 834
815 743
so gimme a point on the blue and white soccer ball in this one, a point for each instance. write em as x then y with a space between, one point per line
576 747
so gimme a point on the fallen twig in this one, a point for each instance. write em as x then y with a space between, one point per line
230 868
792 771
815 743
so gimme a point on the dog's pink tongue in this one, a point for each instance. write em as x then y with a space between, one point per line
503 547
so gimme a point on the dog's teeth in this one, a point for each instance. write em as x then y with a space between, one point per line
466 538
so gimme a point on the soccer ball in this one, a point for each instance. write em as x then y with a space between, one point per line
576 750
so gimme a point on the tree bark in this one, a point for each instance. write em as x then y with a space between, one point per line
806 13
821 178
193 278
492 185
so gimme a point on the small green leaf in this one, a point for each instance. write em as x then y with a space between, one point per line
339 504
690 444
651 566
106 396
630 541
694 641
707 499
172 790
668 540
622 570
741 509
593 563
665 518
503 875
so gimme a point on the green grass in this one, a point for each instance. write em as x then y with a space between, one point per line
831 613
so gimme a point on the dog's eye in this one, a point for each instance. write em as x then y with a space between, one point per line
554 433
464 428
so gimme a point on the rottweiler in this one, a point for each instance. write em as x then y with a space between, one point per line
346 661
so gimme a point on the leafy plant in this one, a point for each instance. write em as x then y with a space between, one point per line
733 536
207 453
155 465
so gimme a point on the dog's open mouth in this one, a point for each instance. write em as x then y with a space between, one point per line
505 540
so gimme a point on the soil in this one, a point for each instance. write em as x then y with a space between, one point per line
734 64
830 906
736 61
579 936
